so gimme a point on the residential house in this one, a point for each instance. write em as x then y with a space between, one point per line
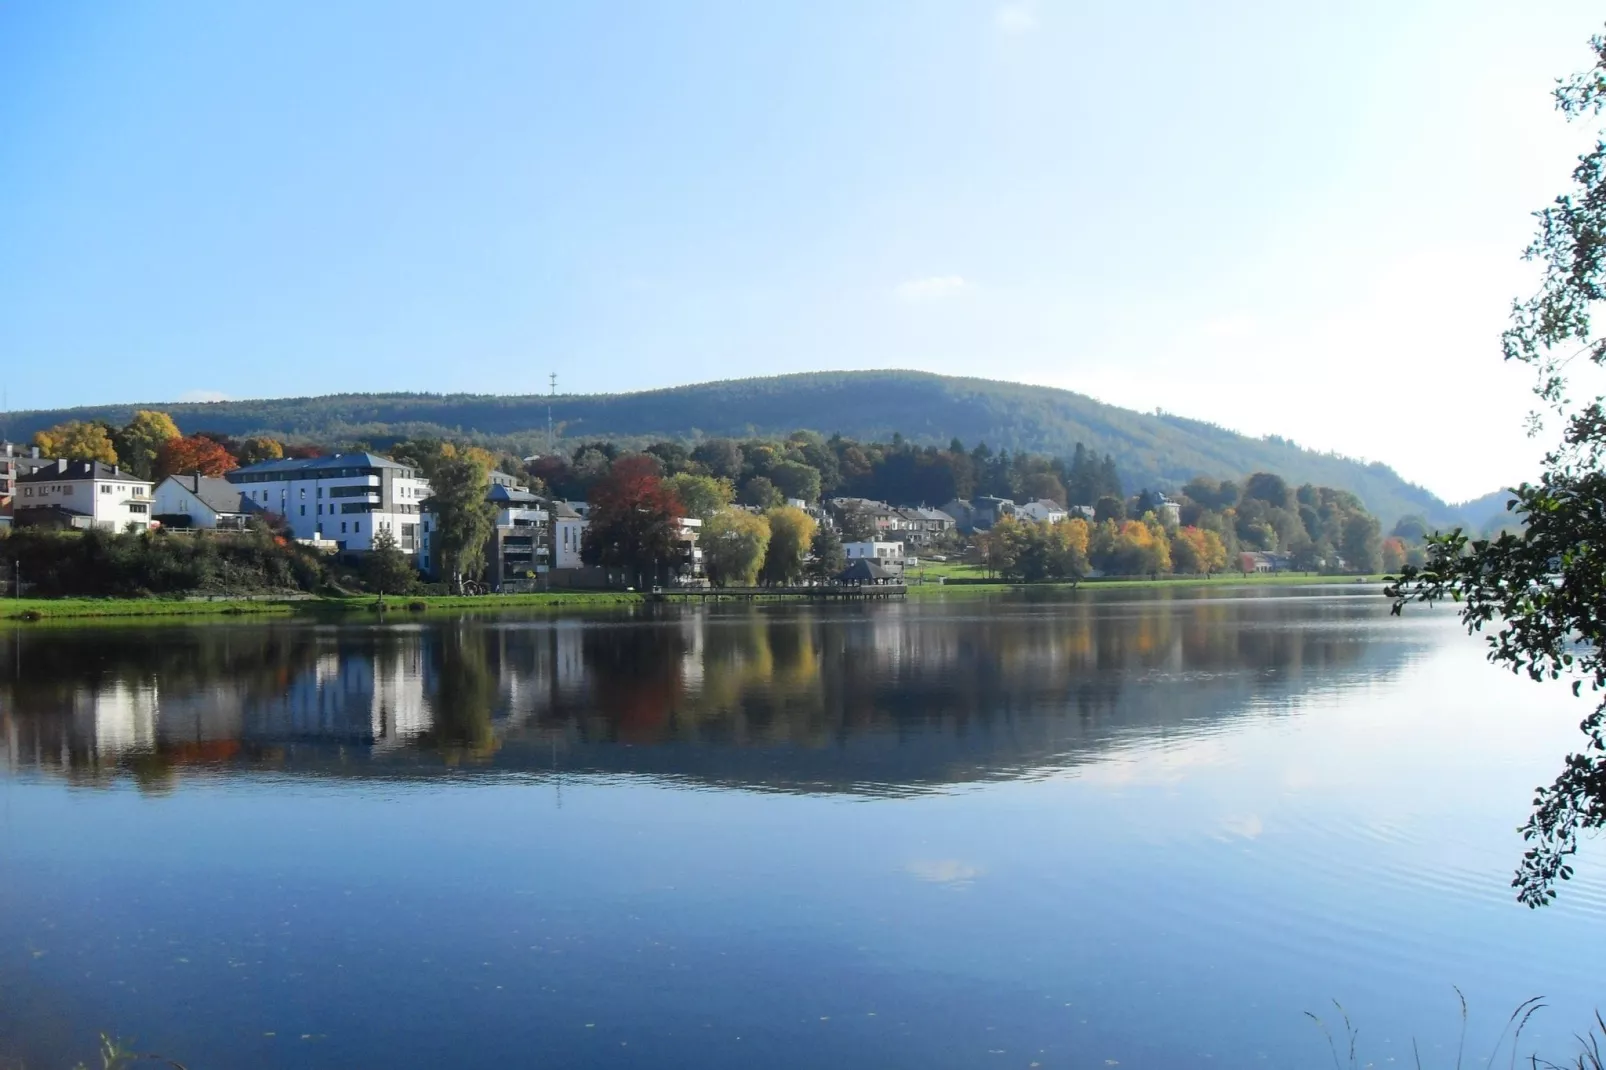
978 514
81 494
1043 510
197 501
923 526
568 529
346 498
1169 511
888 555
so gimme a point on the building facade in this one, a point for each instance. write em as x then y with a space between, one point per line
197 501
344 498
82 494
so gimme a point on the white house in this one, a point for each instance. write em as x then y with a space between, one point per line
1043 509
82 494
886 554
197 501
345 498
568 528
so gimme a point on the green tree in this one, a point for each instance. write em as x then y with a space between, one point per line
702 496
140 441
795 479
760 493
386 569
719 457
463 518
791 533
1536 593
735 543
1361 545
826 559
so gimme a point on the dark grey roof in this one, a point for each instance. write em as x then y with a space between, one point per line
65 471
503 493
218 494
862 569
310 466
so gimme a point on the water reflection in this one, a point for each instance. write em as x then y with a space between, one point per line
880 699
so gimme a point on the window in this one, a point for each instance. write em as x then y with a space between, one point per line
356 526
107 489
320 510
303 495
27 492
342 527
137 507
303 510
320 492
67 491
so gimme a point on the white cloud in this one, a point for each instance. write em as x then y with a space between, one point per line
934 288
1015 18
1239 326
203 395
942 871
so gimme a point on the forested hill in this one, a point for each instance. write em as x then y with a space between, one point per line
1156 450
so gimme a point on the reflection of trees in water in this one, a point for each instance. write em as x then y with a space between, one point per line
892 694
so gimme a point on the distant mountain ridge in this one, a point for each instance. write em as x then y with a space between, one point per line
1151 450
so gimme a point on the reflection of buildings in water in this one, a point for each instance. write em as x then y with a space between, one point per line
117 719
376 697
907 696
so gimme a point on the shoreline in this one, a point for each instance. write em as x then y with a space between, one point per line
35 610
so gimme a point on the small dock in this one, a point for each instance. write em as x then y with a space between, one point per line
842 592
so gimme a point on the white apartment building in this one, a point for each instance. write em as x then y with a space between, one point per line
82 494
345 498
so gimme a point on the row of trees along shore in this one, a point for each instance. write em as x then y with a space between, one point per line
638 497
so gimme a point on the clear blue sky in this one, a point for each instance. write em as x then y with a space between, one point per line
1262 214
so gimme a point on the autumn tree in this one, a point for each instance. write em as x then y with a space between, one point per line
140 441
635 521
463 518
791 532
259 449
195 453
735 543
77 440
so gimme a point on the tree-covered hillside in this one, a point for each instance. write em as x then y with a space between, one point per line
1157 450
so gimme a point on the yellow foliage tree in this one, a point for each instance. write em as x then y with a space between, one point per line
141 440
791 531
77 441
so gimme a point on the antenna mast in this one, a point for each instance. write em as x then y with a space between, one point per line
552 389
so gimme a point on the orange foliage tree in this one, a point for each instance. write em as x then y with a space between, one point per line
193 454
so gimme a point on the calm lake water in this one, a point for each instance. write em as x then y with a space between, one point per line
1135 829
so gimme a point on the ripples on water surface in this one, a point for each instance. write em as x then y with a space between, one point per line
1145 831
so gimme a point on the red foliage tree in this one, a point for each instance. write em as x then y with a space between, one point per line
634 520
196 453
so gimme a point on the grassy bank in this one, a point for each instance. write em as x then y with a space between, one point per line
30 609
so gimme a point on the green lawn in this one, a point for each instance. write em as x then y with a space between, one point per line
134 608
